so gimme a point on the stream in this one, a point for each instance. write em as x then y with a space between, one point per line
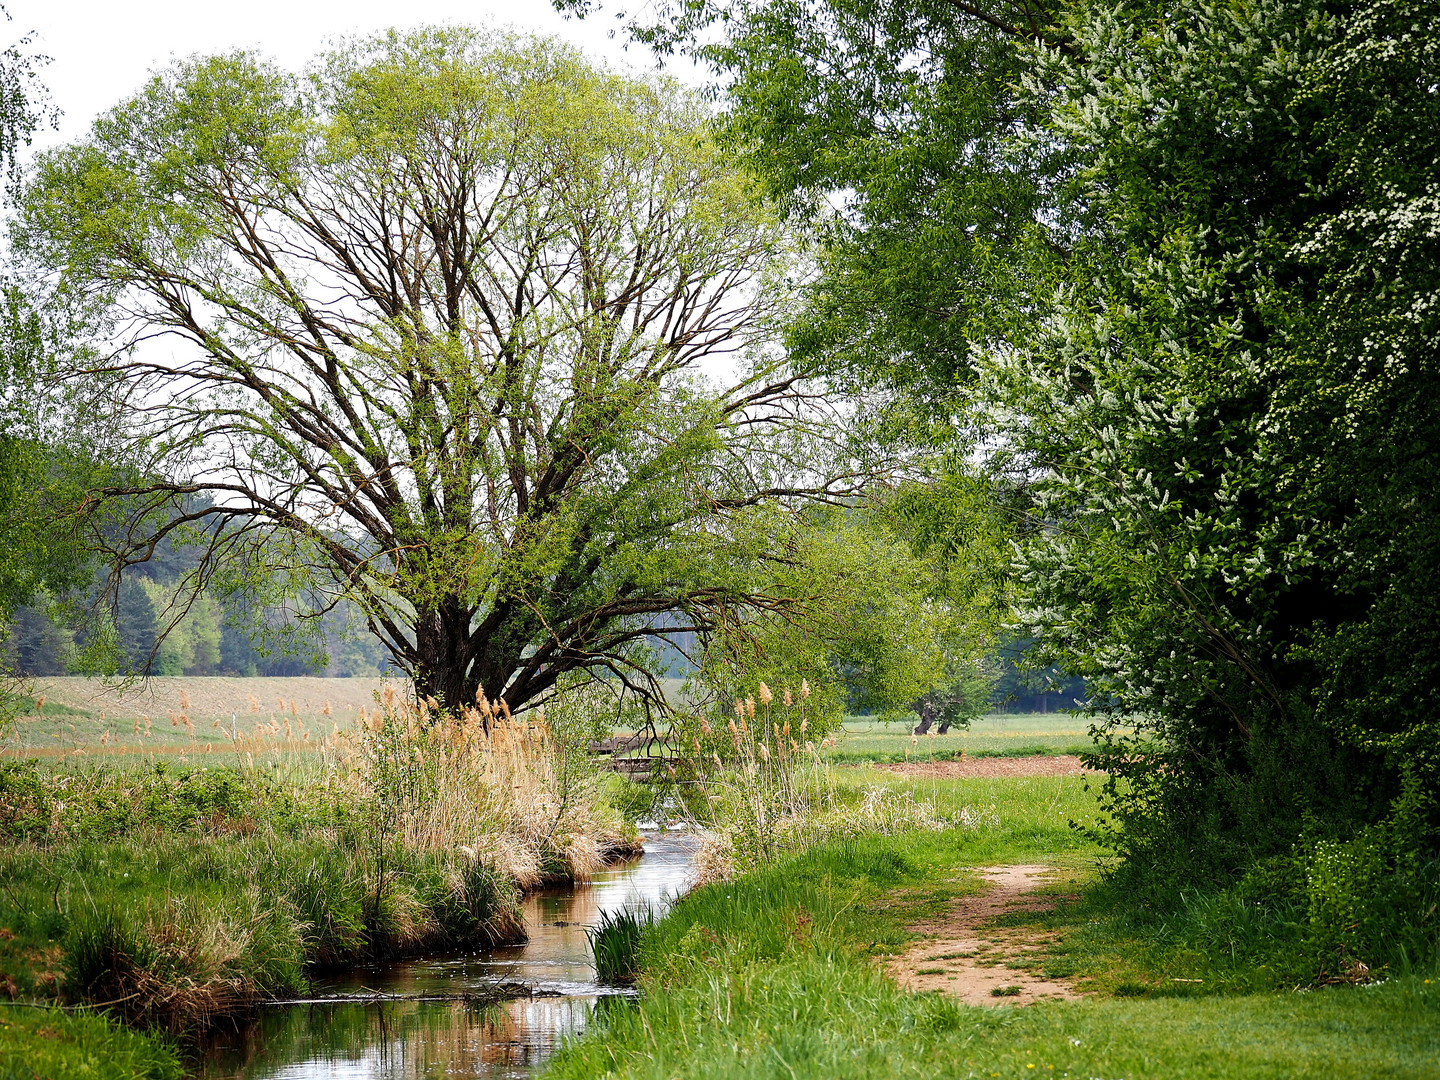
334 1037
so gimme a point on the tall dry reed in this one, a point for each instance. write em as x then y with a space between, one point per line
774 794
499 788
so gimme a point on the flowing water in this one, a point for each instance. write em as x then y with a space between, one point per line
334 1037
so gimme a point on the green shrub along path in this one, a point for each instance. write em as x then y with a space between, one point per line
778 973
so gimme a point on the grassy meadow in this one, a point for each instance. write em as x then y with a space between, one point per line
50 1044
778 972
182 718
178 884
863 739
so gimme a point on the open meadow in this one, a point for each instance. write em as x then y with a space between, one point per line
887 936
862 739
902 954
180 717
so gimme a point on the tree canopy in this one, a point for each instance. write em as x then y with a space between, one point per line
1175 283
458 328
1230 412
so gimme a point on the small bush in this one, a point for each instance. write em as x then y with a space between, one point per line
175 966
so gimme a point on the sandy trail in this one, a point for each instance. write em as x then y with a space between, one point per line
989 768
964 956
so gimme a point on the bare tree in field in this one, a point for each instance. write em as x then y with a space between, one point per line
435 329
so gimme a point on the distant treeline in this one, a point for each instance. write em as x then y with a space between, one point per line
1020 688
218 634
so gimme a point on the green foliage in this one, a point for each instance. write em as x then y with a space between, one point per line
900 113
878 605
616 944
46 805
161 618
961 697
1222 403
1372 899
37 493
47 1044
42 554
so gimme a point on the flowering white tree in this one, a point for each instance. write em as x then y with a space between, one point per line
1230 408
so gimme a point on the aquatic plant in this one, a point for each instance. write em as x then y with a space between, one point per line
616 944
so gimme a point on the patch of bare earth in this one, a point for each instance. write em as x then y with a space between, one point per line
990 768
964 954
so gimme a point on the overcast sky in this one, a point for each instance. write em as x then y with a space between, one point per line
103 51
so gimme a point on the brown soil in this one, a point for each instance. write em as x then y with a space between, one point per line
962 954
989 768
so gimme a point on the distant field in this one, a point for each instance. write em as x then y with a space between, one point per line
223 714
1002 734
273 717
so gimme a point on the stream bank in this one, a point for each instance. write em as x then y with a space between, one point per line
427 1017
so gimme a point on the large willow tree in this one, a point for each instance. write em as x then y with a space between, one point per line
440 328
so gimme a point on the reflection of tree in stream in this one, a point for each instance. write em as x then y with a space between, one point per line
401 1040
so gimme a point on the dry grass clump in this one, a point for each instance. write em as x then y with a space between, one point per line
713 859
503 789
179 966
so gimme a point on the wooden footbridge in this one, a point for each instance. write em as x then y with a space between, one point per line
617 753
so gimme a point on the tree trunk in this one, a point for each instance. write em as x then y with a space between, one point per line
444 646
927 718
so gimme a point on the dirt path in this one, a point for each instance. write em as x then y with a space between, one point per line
962 955
988 768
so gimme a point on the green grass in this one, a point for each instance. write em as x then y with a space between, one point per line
775 974
828 1017
864 740
1022 819
187 894
47 1044
27 706
615 944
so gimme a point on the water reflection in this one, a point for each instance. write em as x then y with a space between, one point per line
411 1040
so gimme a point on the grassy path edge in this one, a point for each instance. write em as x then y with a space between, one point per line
778 974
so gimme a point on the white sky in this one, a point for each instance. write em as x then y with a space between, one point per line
102 52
